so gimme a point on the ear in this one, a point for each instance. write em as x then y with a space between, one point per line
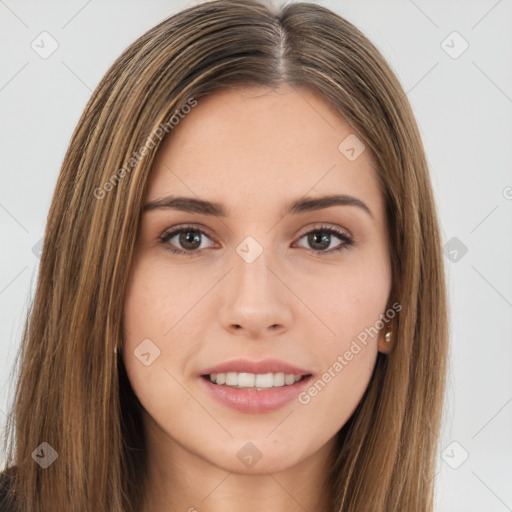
386 346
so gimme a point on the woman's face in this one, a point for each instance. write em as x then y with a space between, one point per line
257 286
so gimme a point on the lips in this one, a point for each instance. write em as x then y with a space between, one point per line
254 400
256 367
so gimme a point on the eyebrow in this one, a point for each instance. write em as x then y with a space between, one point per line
302 205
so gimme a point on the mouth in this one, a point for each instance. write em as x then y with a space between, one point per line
254 393
255 381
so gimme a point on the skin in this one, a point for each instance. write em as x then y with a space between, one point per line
253 150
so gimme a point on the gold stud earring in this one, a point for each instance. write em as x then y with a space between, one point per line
387 337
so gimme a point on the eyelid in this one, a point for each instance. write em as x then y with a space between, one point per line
201 227
326 225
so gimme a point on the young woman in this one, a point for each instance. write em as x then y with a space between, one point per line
241 300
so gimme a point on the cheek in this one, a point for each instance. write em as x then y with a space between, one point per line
347 299
155 300
338 389
145 320
346 351
349 304
152 349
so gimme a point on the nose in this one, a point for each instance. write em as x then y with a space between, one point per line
257 301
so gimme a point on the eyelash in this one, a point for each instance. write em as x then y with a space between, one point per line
347 241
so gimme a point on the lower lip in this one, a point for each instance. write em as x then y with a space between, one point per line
253 401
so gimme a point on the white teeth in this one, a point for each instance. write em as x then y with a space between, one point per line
246 380
288 379
279 379
252 380
231 379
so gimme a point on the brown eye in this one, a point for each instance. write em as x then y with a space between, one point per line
320 239
188 240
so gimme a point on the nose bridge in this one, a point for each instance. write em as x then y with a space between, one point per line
254 299
252 272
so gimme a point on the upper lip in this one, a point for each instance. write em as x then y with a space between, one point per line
248 366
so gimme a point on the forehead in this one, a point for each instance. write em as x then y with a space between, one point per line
249 143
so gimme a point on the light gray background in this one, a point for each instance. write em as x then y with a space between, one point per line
464 108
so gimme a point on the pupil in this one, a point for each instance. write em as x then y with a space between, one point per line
324 240
190 237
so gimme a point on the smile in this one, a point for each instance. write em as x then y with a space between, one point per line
257 381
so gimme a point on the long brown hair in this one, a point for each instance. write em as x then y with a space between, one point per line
73 394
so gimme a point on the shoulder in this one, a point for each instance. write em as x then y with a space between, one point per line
5 485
